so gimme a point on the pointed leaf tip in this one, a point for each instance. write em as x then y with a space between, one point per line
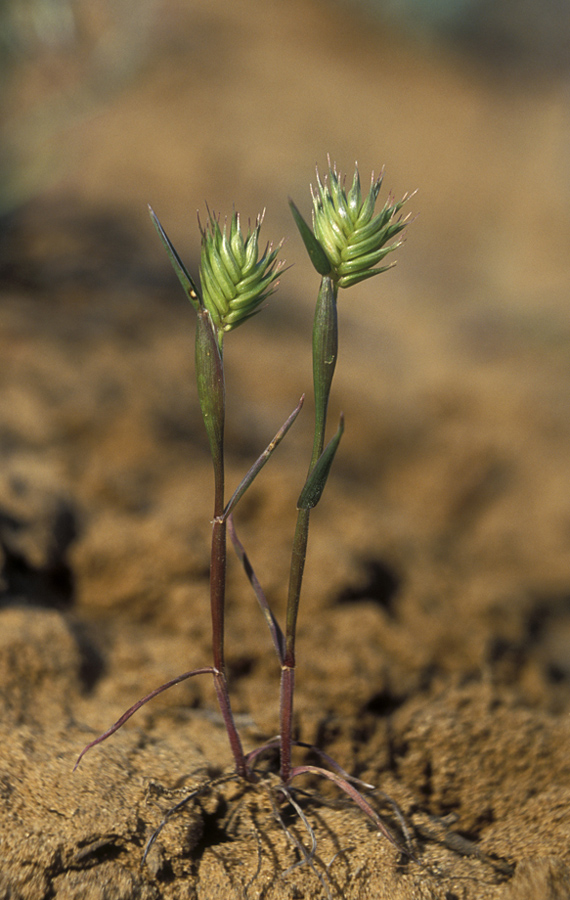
317 479
314 248
182 272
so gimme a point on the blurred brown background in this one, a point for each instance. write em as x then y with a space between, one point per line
108 107
174 103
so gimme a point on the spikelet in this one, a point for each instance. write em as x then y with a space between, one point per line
353 239
235 279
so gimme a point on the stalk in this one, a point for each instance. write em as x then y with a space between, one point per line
211 393
325 351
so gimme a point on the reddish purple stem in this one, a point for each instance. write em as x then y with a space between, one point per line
207 670
354 795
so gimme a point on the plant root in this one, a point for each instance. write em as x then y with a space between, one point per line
283 797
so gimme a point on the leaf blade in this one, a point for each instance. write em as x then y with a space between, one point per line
317 478
182 272
314 247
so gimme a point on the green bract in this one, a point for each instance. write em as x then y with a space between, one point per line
353 239
234 279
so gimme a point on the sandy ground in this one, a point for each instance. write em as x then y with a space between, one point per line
434 635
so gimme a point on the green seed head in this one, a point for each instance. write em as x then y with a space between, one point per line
235 279
352 237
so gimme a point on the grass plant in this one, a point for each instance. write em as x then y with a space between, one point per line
348 243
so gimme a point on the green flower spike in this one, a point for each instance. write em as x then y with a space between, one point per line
347 232
234 279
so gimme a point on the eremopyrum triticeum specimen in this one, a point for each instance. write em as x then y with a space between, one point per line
347 245
349 240
235 279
